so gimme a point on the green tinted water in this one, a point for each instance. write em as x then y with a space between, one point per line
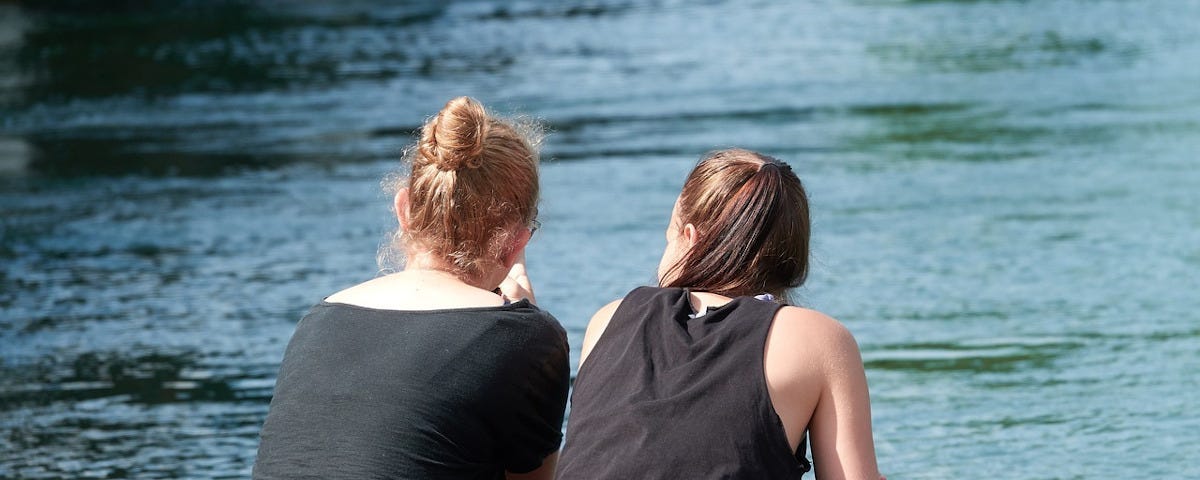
1004 197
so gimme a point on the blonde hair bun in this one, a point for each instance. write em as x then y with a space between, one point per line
472 183
454 138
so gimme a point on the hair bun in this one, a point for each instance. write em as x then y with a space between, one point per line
454 138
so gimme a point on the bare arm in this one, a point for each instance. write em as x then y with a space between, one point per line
516 285
842 443
816 380
596 327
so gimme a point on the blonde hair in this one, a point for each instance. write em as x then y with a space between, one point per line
473 177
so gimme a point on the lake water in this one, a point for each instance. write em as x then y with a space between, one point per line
1006 200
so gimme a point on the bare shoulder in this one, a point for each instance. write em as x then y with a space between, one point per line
596 327
810 322
605 313
360 294
822 336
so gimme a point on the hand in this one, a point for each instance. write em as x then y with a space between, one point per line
516 285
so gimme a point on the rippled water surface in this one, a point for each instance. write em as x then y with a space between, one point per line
1005 201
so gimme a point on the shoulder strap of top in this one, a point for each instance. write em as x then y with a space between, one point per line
638 299
641 294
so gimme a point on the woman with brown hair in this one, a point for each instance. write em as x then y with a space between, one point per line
712 374
446 369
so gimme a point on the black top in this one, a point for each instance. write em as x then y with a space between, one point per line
456 393
663 395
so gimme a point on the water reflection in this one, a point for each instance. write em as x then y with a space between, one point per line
1027 51
13 78
155 377
554 10
86 83
156 154
948 132
15 155
990 356
158 49
1003 201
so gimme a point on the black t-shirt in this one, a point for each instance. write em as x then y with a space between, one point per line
666 394
456 393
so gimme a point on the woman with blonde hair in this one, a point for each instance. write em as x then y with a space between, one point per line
446 369
712 374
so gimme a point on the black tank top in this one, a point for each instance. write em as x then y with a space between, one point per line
665 395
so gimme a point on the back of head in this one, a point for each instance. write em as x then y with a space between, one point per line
751 217
474 179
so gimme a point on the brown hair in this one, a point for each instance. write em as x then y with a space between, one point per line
750 212
473 178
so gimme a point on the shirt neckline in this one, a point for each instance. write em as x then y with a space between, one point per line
522 303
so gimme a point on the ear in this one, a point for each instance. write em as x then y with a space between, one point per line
401 203
689 235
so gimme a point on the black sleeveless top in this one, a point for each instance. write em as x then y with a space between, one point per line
664 395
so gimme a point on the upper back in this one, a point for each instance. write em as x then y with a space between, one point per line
409 291
365 392
677 397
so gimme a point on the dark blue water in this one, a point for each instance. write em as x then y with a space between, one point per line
1005 203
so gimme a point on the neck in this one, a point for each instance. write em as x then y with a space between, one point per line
426 264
